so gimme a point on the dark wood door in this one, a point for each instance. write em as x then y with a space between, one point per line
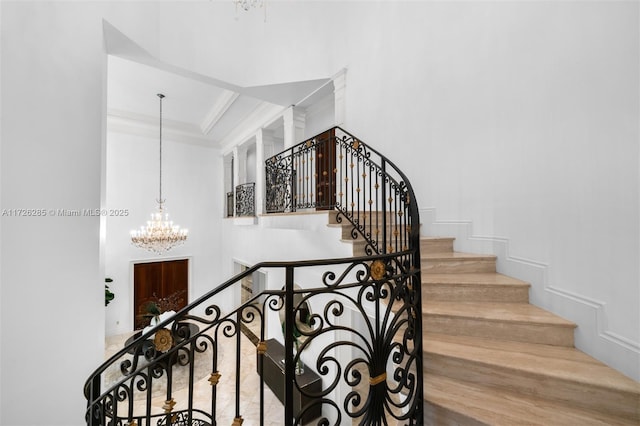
325 165
164 284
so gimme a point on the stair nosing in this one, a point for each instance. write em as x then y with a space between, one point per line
474 306
456 255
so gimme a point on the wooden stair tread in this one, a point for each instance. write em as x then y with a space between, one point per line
512 312
495 407
536 349
456 255
492 367
561 363
480 278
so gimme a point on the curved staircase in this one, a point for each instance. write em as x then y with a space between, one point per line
491 358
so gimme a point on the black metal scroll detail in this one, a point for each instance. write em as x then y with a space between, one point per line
279 184
369 191
363 333
245 199
383 378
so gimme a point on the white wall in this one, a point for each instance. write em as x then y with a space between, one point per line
319 117
520 118
53 135
192 184
523 120
52 320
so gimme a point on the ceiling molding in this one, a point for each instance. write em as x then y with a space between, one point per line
223 103
264 113
284 94
145 126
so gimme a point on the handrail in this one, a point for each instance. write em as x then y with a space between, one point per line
183 313
380 292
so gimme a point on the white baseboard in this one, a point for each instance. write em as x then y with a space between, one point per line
592 335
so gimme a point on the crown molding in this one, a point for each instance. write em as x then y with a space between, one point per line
218 110
263 113
143 125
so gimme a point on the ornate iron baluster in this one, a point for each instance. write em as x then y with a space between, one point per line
245 199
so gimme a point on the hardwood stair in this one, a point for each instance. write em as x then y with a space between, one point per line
491 358
373 224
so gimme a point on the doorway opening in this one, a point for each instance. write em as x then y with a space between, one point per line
159 287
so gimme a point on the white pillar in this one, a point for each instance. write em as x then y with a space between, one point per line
229 176
294 122
339 95
239 165
264 150
239 171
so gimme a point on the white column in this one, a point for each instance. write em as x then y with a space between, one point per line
240 165
239 171
339 95
264 149
294 122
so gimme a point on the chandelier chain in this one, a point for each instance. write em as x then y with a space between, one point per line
160 200
160 234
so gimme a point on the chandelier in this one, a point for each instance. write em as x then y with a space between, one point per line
160 235
248 4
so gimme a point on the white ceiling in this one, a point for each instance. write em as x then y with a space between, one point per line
196 108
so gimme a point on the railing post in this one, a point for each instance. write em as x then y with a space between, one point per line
293 183
95 419
288 348
384 206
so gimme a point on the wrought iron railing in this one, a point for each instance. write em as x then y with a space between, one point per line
355 322
357 326
246 199
337 171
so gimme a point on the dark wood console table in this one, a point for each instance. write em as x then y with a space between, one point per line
309 381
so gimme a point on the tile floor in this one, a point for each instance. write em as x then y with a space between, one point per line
249 387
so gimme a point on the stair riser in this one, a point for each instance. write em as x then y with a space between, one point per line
444 245
474 293
546 334
551 388
358 249
452 266
441 416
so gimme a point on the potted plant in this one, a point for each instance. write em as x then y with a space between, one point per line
108 294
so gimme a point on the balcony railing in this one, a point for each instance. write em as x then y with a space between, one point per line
337 171
246 199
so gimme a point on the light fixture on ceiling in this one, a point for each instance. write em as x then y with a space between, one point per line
160 235
248 4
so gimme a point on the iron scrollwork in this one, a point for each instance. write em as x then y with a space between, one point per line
246 199
363 333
